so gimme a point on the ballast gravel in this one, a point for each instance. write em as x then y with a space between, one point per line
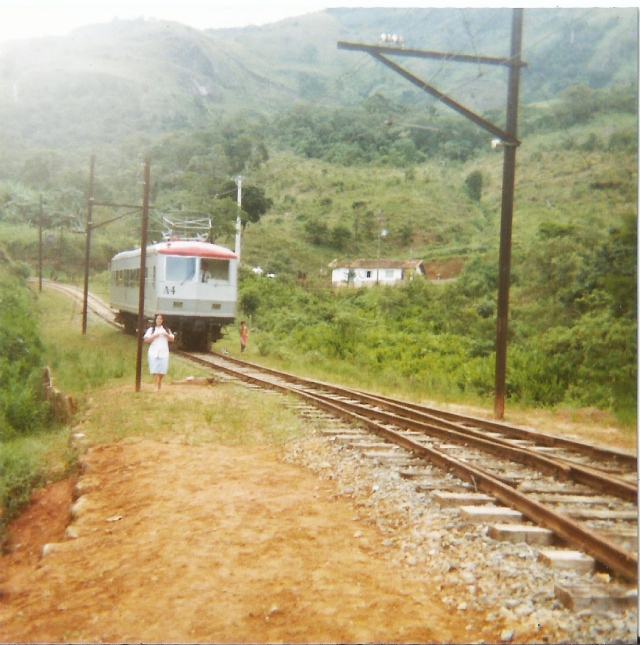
437 547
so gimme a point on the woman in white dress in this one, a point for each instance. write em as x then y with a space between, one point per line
158 338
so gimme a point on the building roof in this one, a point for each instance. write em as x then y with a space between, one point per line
416 265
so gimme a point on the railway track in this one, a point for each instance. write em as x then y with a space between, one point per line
94 304
585 495
554 491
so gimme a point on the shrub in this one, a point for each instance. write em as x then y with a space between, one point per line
473 185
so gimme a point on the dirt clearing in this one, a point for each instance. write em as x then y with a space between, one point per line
178 543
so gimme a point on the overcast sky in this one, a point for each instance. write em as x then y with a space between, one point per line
57 18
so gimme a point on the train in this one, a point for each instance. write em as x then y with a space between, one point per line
192 283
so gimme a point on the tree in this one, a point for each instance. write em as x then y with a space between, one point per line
577 105
317 232
340 237
254 202
473 185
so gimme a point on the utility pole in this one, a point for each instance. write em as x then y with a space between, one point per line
507 137
40 248
88 245
508 186
238 218
143 270
143 252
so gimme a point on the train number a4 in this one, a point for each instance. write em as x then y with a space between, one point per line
170 290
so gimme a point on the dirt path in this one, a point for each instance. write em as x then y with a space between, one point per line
177 543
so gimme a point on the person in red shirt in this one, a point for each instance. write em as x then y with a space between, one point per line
244 334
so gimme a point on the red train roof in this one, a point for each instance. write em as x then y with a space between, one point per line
194 248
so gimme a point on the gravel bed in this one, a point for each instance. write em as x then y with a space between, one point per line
473 572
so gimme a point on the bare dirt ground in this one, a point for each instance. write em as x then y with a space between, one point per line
179 543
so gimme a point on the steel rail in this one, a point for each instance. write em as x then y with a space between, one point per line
598 452
562 469
434 425
604 551
97 305
607 553
625 458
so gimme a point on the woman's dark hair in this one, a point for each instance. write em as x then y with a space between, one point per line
154 323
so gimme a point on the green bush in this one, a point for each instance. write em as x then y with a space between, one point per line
22 470
22 408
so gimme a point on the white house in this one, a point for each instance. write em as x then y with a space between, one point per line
365 273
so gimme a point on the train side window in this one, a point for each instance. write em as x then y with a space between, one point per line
211 269
180 269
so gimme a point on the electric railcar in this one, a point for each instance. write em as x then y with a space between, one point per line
193 284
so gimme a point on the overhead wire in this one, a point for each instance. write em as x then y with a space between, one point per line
366 60
526 49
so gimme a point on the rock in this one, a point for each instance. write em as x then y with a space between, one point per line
80 507
47 549
72 532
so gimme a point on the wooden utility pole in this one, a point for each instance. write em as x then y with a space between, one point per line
508 138
143 270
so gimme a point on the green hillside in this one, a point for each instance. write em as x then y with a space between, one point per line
333 148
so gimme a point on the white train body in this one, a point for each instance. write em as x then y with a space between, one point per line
193 284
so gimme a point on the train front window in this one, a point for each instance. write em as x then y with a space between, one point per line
214 269
180 269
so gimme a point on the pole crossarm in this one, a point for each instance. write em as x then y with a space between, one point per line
137 207
472 116
419 53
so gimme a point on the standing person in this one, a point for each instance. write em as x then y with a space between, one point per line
244 334
158 338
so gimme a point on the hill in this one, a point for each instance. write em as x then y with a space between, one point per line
106 82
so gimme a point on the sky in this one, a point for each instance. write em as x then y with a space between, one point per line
19 20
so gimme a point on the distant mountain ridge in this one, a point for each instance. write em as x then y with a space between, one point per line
110 80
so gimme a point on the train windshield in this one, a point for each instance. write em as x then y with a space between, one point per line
180 269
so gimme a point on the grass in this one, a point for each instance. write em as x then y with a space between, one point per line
98 371
588 424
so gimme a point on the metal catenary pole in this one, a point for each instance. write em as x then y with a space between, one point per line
40 248
508 185
508 137
143 270
238 218
88 245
